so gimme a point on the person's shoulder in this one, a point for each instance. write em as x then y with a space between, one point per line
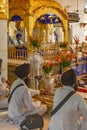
79 96
21 42
18 84
59 89
15 42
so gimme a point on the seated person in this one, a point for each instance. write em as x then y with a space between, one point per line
69 116
21 103
18 40
4 91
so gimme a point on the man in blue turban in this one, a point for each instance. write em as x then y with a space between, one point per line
18 40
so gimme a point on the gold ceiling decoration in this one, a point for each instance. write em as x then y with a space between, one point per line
18 7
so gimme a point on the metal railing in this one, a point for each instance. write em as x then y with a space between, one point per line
23 53
14 53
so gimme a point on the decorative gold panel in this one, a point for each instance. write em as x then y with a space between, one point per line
3 9
39 8
30 10
18 7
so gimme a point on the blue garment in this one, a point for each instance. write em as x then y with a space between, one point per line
56 37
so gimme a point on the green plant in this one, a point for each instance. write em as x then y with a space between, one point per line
65 58
35 42
65 63
48 67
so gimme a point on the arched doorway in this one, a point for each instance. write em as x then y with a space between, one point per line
16 27
49 26
42 8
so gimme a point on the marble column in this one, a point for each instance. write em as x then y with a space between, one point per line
3 46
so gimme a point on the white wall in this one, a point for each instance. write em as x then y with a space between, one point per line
71 6
77 31
85 27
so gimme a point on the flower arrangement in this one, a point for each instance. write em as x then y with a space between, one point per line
65 58
76 39
35 42
48 67
62 45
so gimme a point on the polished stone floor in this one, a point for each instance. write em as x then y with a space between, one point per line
9 126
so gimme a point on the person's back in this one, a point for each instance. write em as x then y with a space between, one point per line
21 104
68 116
19 100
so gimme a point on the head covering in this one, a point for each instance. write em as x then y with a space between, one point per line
68 77
18 35
22 70
0 62
27 81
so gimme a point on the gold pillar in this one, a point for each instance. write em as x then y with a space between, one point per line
26 23
65 27
3 35
29 24
28 20
4 9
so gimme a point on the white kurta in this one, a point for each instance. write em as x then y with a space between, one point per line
16 42
21 103
67 118
4 91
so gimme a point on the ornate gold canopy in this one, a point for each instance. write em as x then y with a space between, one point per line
29 11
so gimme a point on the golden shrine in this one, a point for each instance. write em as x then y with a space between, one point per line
29 12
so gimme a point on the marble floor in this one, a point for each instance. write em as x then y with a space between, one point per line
46 121
10 126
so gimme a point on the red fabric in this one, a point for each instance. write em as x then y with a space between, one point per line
84 90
